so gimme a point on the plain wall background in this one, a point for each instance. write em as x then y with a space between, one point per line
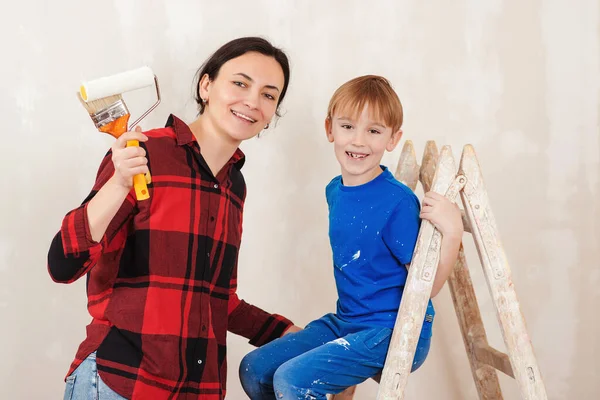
518 80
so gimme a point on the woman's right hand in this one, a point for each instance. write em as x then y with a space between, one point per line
129 161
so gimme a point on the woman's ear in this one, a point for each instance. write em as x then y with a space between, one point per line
204 87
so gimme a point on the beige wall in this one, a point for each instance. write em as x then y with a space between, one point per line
518 79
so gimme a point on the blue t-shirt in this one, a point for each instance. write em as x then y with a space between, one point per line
373 230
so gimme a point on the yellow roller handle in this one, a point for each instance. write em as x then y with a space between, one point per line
140 180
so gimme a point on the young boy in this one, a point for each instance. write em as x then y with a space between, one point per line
373 226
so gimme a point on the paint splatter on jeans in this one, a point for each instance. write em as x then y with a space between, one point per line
327 357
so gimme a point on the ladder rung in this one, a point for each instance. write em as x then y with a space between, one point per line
465 222
488 355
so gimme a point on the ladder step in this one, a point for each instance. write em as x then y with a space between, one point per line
465 222
486 354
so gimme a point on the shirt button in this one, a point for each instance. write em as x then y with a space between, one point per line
216 186
199 361
203 328
212 218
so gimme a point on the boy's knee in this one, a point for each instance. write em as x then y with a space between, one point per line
291 383
252 375
284 382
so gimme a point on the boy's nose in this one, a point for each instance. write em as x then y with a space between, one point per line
358 139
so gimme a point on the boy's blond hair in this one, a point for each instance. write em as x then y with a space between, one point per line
375 91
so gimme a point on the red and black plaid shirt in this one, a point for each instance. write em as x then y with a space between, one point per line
161 283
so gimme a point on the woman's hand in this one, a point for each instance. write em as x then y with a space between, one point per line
291 329
129 161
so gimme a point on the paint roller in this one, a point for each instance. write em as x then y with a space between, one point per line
104 103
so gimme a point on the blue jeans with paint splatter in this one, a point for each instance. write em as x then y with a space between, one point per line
328 356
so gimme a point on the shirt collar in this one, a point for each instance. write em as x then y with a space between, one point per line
184 136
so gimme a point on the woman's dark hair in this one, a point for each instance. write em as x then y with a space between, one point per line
234 49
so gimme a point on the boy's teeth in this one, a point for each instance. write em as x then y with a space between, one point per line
353 155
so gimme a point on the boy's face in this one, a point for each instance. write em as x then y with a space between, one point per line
359 144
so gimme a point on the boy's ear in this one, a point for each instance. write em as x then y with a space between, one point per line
394 140
328 129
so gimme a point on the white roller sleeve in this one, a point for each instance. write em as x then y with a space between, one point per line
117 84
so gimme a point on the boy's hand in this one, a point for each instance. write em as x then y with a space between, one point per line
443 214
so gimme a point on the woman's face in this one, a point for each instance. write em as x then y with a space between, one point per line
243 98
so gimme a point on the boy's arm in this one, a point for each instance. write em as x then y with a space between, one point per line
402 229
448 255
446 217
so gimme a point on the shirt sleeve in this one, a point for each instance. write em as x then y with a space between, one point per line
330 189
73 252
402 229
252 322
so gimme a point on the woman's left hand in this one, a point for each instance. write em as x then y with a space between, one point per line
291 329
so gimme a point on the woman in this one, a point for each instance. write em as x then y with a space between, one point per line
161 273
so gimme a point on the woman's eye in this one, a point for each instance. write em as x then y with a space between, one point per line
240 84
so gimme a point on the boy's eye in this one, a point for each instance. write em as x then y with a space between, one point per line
374 131
240 84
346 126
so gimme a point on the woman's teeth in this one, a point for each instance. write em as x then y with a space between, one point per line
242 116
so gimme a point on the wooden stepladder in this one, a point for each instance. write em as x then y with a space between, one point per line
438 173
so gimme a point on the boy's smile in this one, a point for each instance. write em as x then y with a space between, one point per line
357 155
359 144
